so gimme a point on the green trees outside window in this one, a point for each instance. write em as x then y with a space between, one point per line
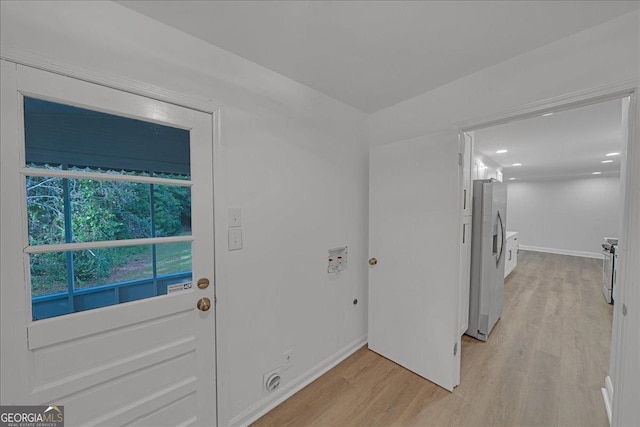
64 210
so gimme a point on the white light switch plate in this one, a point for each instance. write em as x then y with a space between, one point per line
235 239
235 219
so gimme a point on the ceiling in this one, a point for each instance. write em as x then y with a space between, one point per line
372 55
567 144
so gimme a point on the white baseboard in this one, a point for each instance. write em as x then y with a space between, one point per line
596 255
257 410
607 395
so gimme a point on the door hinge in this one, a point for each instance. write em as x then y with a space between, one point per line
455 349
460 159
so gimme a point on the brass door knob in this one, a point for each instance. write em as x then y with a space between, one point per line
204 304
203 283
373 261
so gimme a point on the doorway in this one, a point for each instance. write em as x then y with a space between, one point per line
565 169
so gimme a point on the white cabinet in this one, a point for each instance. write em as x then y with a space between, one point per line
511 253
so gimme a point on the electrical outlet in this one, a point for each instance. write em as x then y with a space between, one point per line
287 359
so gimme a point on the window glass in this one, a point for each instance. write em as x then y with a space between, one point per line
71 281
67 209
63 134
45 210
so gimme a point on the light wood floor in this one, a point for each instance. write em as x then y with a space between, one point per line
544 364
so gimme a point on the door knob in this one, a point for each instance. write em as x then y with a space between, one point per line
204 304
373 261
203 283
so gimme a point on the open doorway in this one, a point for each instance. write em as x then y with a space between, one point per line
565 195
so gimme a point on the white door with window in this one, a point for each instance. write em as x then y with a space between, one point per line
414 243
107 253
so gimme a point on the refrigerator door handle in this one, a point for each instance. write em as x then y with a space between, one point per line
502 235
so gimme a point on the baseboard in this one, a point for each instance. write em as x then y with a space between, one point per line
597 255
607 395
256 411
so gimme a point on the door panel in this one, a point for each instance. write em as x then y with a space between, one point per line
114 364
415 217
466 141
465 275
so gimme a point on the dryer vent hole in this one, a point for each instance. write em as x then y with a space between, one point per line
272 382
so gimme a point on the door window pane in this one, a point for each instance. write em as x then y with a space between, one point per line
45 210
72 281
63 134
65 209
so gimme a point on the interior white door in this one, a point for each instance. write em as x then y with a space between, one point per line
466 147
415 222
146 362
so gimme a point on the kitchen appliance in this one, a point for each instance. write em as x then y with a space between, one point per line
609 267
489 229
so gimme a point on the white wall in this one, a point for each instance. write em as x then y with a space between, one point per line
591 60
564 216
484 168
295 161
599 56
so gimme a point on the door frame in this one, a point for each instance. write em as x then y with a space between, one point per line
180 99
629 218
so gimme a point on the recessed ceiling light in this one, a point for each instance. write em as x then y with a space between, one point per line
511 179
547 114
607 161
517 164
596 173
612 154
504 151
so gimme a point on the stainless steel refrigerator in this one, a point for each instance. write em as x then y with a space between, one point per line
488 238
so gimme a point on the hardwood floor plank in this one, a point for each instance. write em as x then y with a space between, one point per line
543 364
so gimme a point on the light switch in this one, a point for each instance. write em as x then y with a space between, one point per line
235 219
235 239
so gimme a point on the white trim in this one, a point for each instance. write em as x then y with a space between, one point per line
60 173
607 395
257 410
596 255
90 75
609 386
60 247
558 103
